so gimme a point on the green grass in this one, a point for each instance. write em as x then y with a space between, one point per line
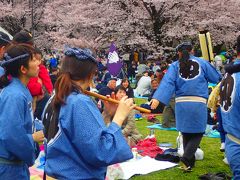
211 163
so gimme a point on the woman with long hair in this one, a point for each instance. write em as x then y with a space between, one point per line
80 146
129 91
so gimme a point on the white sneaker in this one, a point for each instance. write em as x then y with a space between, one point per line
225 160
222 148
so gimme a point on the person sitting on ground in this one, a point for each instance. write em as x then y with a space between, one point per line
129 128
111 85
129 91
155 67
159 75
142 68
169 114
144 85
159 109
108 90
131 71
104 77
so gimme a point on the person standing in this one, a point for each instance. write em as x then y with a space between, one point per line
188 78
4 41
17 150
230 104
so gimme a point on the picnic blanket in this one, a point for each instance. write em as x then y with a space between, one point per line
159 126
123 170
208 133
132 167
212 134
37 170
35 173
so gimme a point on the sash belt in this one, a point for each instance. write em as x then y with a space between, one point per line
191 99
11 162
233 138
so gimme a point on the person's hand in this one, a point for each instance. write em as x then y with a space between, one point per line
109 107
38 136
123 109
154 103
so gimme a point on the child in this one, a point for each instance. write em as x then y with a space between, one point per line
129 129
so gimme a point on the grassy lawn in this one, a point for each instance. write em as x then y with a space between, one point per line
211 163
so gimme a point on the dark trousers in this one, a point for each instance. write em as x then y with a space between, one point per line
169 114
191 142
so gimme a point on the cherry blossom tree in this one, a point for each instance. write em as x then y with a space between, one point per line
151 24
16 15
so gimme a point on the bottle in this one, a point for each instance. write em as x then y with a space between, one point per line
134 152
152 133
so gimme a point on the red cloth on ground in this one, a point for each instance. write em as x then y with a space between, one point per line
149 147
35 87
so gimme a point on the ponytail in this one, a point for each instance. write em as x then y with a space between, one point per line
63 87
78 64
4 81
185 64
185 56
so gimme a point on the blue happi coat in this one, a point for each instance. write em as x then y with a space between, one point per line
191 117
230 110
16 142
84 146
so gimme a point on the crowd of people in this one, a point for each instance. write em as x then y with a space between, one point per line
53 91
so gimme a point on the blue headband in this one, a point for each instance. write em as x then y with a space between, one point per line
8 59
184 45
80 54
